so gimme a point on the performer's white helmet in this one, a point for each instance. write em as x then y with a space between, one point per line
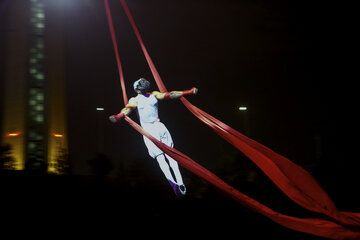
142 85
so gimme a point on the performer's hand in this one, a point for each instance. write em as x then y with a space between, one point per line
116 118
192 91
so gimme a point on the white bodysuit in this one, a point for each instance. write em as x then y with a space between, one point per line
147 106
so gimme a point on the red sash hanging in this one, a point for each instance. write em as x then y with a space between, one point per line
293 180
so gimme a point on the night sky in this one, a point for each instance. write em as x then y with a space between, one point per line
289 62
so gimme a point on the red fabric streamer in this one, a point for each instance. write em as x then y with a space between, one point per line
315 226
293 180
116 50
152 67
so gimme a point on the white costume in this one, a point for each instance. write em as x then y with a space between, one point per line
147 106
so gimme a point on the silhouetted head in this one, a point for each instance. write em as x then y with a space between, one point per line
142 86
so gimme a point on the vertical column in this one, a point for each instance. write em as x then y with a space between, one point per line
36 119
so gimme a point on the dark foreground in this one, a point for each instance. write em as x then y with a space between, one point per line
118 206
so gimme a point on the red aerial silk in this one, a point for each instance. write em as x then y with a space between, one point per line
153 69
319 227
116 50
293 180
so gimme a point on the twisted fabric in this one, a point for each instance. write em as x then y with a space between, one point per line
292 179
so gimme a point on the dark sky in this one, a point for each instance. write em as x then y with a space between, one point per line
287 61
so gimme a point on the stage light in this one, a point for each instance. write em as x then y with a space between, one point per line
242 108
100 109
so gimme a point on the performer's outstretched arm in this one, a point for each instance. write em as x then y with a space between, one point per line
125 111
174 94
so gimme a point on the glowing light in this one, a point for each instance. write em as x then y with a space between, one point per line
242 108
14 134
58 135
99 109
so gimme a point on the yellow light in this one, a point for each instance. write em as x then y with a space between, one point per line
58 135
14 134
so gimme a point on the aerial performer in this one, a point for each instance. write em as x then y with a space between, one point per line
146 104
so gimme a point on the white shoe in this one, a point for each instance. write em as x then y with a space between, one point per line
182 189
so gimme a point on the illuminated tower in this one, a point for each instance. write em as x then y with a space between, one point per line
34 116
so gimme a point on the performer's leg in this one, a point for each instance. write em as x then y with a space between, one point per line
164 166
159 131
180 189
175 167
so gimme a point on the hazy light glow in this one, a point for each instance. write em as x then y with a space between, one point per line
242 108
14 134
58 135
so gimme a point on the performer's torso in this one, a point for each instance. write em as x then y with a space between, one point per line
147 106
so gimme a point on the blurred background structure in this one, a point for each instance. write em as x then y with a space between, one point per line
34 110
